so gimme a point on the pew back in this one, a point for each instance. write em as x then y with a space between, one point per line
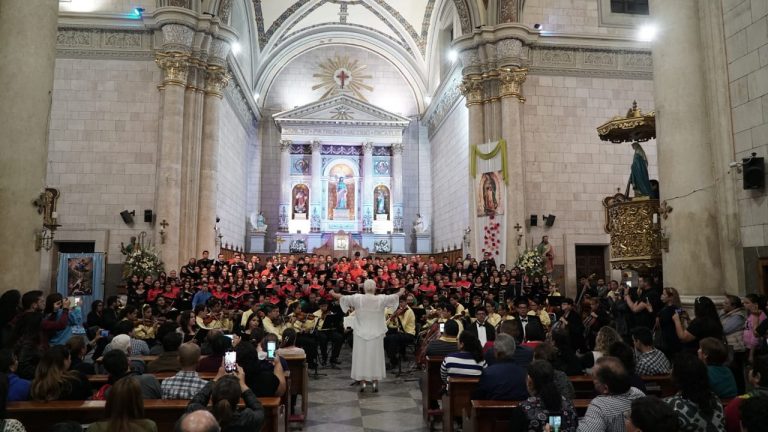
457 400
433 388
299 385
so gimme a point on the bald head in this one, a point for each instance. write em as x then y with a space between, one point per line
198 421
189 355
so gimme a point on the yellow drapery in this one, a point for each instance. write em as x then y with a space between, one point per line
475 153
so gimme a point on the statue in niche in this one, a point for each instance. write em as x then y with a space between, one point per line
641 184
381 200
258 222
419 227
341 194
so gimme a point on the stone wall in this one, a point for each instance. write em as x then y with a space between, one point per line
103 145
232 182
746 33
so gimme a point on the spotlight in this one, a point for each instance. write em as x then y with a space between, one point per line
538 26
128 216
646 33
549 220
534 220
137 12
453 55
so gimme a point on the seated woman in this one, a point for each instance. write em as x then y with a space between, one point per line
698 409
17 388
626 356
546 400
288 345
124 409
566 359
714 353
54 381
6 424
225 392
605 337
547 352
467 362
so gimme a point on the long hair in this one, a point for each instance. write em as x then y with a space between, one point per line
691 377
50 300
706 311
225 396
289 338
51 376
124 405
606 336
471 344
9 306
672 292
543 378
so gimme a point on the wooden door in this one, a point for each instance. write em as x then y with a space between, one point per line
590 260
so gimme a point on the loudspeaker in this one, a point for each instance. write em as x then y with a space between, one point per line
128 216
148 216
549 220
534 220
754 172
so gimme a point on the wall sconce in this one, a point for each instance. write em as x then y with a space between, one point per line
44 239
46 206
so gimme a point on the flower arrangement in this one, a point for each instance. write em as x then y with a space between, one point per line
382 246
492 236
142 262
531 262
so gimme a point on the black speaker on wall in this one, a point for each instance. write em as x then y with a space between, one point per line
753 172
534 220
148 217
128 216
549 220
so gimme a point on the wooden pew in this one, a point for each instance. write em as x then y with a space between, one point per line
489 416
99 380
40 416
432 390
457 400
299 386
656 385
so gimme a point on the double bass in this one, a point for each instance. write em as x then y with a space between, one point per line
433 333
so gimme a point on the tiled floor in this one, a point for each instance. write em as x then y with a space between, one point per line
337 406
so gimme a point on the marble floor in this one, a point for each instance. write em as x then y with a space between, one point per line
337 406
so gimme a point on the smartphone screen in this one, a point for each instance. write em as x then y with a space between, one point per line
72 301
554 422
104 333
442 327
77 301
231 337
552 317
271 347
230 362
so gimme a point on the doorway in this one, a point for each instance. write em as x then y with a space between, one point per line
590 260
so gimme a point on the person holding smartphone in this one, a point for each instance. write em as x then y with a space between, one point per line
546 405
225 392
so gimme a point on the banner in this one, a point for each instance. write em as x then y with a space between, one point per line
488 189
81 275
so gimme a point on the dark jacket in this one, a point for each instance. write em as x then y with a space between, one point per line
248 419
504 380
523 356
490 332
165 362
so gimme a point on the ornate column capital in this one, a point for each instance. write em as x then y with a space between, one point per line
368 147
175 66
473 89
397 148
316 146
511 81
216 79
285 145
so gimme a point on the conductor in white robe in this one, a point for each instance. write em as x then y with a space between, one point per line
369 327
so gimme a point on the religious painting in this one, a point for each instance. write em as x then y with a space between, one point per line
341 193
381 166
300 167
381 199
80 276
489 194
300 199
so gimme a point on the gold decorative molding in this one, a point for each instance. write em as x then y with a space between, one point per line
175 66
472 88
511 81
635 126
216 79
635 233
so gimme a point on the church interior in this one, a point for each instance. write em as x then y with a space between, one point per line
616 138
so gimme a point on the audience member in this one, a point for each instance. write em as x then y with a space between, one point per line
604 338
446 343
672 307
6 424
219 345
626 356
78 348
546 352
122 343
225 392
168 361
18 388
546 399
733 318
54 381
505 379
186 383
288 344
124 409
705 324
523 355
467 362
566 359
66 426
753 414
197 421
651 414
138 346
714 353
117 366
614 396
698 408
648 360
758 380
10 307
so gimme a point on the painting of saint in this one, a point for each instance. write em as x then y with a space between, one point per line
80 276
489 194
300 199
381 200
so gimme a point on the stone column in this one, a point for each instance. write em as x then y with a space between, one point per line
316 194
190 161
693 262
167 228
285 185
28 49
397 187
368 214
473 91
215 80
510 91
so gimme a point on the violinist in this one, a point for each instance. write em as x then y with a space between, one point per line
304 325
146 329
401 332
273 322
328 327
213 316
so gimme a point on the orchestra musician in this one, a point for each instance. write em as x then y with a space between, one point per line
304 325
213 316
481 328
401 324
328 327
273 322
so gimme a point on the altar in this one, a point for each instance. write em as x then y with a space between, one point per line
341 171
